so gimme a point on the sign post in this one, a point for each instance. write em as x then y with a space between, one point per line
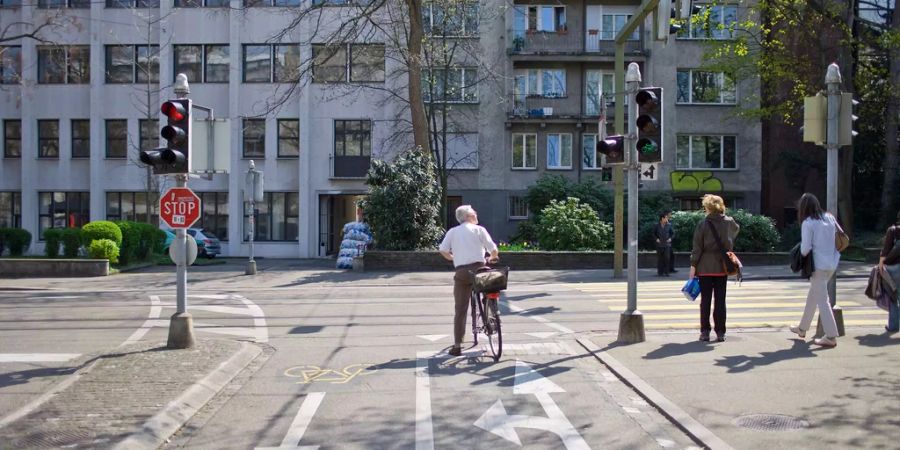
179 208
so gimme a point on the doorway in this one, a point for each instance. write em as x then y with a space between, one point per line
335 210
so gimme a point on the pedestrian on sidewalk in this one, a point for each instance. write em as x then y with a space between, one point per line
817 230
671 243
663 244
465 245
890 255
707 264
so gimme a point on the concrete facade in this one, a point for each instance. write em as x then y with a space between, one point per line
325 201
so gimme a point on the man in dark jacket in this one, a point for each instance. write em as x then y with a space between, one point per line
671 242
663 244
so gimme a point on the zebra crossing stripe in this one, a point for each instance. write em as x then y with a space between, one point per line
766 324
693 306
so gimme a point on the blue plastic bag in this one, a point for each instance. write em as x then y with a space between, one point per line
691 289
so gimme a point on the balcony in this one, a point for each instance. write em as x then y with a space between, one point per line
593 42
562 109
350 166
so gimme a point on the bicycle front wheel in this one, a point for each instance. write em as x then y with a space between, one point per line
492 328
474 300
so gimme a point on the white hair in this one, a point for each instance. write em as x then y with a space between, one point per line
462 213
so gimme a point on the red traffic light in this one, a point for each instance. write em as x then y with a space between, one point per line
174 111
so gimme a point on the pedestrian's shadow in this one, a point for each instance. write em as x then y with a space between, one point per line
879 340
678 349
743 363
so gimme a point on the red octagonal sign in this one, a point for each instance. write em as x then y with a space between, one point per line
179 207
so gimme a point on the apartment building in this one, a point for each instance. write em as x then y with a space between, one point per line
75 113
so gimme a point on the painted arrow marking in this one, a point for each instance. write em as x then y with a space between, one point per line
528 381
300 424
432 337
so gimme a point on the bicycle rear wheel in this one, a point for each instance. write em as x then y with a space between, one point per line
492 328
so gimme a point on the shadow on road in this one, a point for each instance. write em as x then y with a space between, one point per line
678 349
743 363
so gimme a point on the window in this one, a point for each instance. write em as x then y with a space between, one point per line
203 63
524 151
546 18
706 152
352 138
590 158
148 133
64 64
277 3
278 218
559 151
201 3
12 138
132 3
10 3
254 138
116 138
214 216
462 151
606 81
611 24
133 206
48 139
132 63
712 22
81 138
56 4
354 63
63 210
549 83
288 138
10 64
271 63
10 210
518 208
342 2
453 85
700 87
461 21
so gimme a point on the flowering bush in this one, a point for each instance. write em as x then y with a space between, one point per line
572 225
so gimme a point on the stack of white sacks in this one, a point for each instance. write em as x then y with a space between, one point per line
356 237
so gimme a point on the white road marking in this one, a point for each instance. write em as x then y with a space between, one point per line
542 335
51 297
432 337
528 381
259 332
152 321
424 427
37 357
560 328
300 424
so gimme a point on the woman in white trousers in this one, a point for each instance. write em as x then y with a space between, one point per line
817 236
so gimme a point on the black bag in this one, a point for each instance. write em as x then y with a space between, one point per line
802 264
490 280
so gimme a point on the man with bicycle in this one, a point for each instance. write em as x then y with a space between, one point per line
465 245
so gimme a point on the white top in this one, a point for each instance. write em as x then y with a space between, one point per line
468 243
818 236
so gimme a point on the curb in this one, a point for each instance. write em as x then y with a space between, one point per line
159 428
799 278
694 429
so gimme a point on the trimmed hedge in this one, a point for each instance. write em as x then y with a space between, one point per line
71 241
52 238
131 241
758 233
140 241
16 240
104 249
102 229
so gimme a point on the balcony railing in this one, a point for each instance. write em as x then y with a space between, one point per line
530 42
567 107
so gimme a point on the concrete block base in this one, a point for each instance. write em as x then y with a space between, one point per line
631 328
838 318
181 331
251 268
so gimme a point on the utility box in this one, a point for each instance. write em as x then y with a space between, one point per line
211 146
815 119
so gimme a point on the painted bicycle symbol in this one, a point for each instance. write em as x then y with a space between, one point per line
313 374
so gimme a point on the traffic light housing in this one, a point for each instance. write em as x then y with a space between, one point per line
815 118
613 147
174 158
846 119
649 124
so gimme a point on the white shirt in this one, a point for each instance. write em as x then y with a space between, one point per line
818 236
468 243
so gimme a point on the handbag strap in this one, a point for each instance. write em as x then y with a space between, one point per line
715 233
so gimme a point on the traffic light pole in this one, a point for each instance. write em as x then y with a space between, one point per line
181 324
833 86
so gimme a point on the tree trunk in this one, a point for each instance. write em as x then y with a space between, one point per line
847 57
891 159
416 104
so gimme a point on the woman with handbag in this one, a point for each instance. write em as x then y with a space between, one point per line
890 256
713 240
818 229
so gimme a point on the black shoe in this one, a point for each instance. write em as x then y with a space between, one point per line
455 351
720 338
890 330
704 337
673 271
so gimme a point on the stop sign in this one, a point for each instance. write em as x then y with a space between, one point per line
179 207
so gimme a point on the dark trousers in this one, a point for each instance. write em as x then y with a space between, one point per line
462 293
662 260
671 260
712 287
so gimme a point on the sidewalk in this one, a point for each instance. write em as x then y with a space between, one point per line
804 396
134 397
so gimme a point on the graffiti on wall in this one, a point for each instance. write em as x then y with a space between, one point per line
695 182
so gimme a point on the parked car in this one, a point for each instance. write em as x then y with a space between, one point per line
208 245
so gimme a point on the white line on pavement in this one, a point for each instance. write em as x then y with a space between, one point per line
424 430
515 308
155 311
301 423
37 357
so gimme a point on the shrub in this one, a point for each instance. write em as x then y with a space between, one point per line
404 202
557 187
651 205
104 249
758 233
151 241
790 236
71 240
102 229
52 237
17 240
572 225
131 241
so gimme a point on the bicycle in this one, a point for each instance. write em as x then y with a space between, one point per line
485 299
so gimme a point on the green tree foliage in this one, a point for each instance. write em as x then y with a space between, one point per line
557 187
404 203
650 205
758 233
52 238
71 240
101 229
104 249
572 225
